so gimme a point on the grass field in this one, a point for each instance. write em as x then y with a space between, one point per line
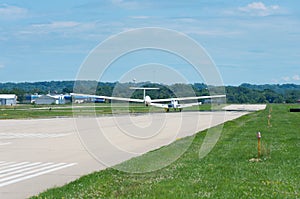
226 172
52 111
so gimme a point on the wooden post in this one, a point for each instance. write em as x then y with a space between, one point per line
258 145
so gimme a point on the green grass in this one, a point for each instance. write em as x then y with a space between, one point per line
52 111
29 111
225 172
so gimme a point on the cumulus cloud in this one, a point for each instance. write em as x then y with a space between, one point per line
12 12
259 9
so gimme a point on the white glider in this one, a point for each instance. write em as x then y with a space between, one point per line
173 102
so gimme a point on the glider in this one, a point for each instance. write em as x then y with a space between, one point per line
161 103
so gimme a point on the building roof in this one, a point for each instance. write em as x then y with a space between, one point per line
7 96
55 97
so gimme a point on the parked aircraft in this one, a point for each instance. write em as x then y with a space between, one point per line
173 102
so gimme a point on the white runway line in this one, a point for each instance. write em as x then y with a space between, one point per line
5 163
12 172
10 164
4 143
31 135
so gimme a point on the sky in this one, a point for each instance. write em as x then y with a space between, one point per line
253 42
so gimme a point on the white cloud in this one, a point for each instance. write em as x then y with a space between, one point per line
195 29
259 9
140 17
12 12
187 20
69 29
286 78
57 25
292 78
296 78
211 32
2 66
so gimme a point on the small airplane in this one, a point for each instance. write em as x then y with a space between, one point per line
173 102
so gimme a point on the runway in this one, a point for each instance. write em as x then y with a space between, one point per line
39 154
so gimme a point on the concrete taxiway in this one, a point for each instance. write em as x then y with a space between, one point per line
39 154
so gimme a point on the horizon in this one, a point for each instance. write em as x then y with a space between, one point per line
249 41
146 82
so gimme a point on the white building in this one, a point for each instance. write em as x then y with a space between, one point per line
50 99
8 99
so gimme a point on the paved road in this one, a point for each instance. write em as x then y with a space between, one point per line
39 154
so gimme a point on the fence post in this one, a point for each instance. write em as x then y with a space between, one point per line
258 144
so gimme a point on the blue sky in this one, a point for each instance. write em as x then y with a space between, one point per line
249 41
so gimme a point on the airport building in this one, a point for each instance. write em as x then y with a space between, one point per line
8 99
87 99
50 99
47 99
29 99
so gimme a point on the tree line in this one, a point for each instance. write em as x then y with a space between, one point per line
245 93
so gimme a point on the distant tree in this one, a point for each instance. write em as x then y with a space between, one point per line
245 93
292 96
67 90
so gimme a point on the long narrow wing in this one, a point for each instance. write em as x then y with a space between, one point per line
187 98
159 105
189 105
110 98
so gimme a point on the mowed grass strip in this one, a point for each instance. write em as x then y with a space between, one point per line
53 111
226 172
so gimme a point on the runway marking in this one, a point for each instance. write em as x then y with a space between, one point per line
5 163
12 172
32 135
4 143
10 164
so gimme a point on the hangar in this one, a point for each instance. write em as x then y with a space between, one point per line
50 99
8 99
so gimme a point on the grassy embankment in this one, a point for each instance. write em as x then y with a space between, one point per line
225 172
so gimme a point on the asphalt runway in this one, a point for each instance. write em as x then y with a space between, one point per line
39 154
